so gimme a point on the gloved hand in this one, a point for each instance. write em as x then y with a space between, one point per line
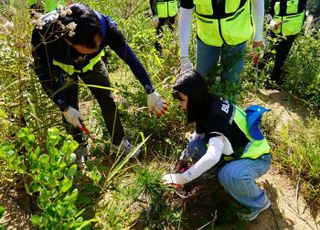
155 21
176 180
196 136
73 117
257 51
156 104
273 25
185 64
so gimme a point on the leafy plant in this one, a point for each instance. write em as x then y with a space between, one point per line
303 67
48 175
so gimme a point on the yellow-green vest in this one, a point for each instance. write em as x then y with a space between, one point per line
166 8
231 25
255 148
292 19
48 5
69 69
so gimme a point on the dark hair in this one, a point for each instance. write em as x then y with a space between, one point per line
194 86
88 25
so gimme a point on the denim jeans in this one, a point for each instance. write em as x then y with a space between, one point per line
232 60
238 176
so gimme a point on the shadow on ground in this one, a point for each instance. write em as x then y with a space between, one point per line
208 206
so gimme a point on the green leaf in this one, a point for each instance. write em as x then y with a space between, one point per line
44 196
61 163
65 185
2 210
34 187
3 115
36 220
72 170
23 132
44 159
72 197
72 158
85 225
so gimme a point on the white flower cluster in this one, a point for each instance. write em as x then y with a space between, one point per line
40 20
37 20
71 27
64 11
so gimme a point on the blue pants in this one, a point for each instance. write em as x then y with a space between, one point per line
232 60
238 176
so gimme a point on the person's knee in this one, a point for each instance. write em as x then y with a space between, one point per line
228 175
233 183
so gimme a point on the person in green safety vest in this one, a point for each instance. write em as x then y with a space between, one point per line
46 5
225 136
164 12
285 19
67 46
223 28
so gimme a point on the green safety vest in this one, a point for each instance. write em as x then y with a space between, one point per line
48 5
231 25
69 69
166 8
291 16
255 148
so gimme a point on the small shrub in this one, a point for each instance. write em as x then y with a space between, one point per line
48 175
303 67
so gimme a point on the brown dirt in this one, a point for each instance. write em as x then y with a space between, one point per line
288 208
17 216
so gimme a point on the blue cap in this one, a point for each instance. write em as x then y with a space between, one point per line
254 115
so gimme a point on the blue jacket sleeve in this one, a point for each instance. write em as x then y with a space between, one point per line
116 41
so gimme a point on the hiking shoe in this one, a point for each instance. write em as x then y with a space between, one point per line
126 147
254 213
81 153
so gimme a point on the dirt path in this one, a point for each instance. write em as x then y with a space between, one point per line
288 210
15 216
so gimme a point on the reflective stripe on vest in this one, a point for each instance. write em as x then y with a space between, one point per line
231 27
254 148
167 8
69 69
289 15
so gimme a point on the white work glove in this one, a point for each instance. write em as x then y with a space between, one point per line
272 24
156 104
73 117
185 64
155 21
175 180
196 136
